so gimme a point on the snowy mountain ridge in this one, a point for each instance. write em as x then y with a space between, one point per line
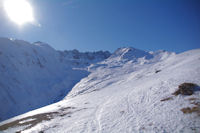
129 53
129 91
38 73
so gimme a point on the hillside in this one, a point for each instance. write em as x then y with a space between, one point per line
35 75
130 91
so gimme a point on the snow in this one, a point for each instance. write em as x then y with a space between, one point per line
122 94
21 122
35 72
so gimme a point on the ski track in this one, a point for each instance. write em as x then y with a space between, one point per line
131 112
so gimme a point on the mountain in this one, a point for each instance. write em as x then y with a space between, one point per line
129 91
35 75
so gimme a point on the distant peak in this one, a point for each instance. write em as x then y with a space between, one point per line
42 44
125 49
38 42
130 53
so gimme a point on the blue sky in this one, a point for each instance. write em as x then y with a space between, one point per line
91 25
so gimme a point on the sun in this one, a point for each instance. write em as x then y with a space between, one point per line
19 11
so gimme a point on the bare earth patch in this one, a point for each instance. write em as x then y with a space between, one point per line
36 119
185 89
188 110
166 99
195 109
32 121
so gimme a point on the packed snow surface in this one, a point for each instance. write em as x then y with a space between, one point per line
124 93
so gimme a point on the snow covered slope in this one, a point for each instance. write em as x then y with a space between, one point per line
35 75
125 93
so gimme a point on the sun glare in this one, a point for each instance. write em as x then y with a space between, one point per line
19 11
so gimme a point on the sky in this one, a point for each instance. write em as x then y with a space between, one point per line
91 25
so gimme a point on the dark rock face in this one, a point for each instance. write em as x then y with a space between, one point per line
185 89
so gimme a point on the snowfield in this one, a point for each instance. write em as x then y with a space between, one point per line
35 75
131 91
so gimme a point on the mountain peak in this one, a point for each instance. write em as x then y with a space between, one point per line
130 53
42 44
